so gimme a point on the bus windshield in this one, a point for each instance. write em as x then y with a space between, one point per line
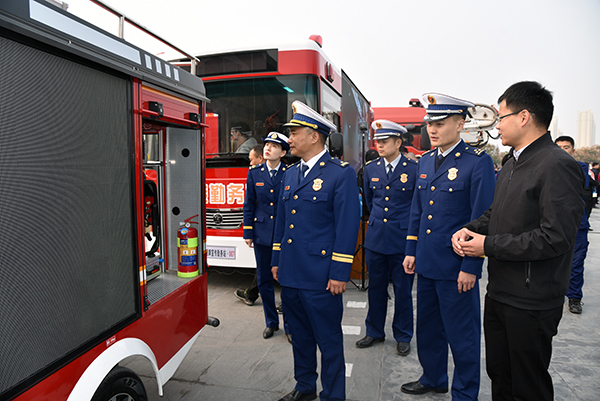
241 112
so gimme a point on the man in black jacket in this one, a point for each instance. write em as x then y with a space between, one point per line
528 235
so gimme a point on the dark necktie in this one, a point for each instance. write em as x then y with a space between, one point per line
273 172
303 172
438 162
390 169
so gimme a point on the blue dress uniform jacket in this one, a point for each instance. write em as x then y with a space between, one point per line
315 237
444 201
317 225
389 202
260 204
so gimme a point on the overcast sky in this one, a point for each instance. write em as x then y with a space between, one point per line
396 49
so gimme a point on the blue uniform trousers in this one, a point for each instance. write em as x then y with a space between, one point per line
265 283
315 318
581 247
446 317
380 268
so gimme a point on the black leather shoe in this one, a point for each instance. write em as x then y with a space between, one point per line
298 396
289 337
575 305
279 308
418 388
403 348
367 341
268 333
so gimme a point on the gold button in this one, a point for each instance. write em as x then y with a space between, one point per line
419 187
404 189
457 154
271 191
450 190
262 169
283 168
314 198
404 164
322 164
323 252
433 188
255 219
388 187
385 220
293 211
295 196
271 217
431 202
290 241
428 232
387 199
386 209
291 226
271 203
430 217
373 186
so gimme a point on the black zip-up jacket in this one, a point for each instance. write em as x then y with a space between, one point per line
531 226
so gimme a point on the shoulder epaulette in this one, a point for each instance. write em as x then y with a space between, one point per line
297 164
474 151
428 152
412 161
338 162
256 165
371 161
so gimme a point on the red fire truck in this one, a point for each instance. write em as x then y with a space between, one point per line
255 88
101 163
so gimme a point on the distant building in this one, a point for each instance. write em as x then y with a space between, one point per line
586 129
554 130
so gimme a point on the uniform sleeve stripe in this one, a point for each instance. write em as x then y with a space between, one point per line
344 260
248 228
277 247
412 237
342 255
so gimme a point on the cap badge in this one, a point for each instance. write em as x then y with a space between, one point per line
431 99
274 136
452 173
317 184
294 108
378 125
403 178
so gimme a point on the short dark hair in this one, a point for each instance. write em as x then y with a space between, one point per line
595 164
565 138
371 154
531 96
258 149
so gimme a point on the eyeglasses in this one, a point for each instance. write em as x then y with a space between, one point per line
500 118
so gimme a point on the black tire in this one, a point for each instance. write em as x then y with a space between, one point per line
121 384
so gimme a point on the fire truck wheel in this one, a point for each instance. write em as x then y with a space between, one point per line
121 384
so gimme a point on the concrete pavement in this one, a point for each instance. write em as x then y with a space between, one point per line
234 362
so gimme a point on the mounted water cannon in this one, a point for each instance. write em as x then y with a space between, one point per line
480 121
187 249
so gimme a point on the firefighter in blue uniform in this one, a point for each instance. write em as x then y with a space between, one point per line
455 185
390 181
313 247
263 185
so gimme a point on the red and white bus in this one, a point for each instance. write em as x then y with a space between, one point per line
101 152
256 87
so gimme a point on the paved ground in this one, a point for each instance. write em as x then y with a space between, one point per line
234 362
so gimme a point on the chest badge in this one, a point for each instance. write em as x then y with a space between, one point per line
374 179
317 184
452 173
403 178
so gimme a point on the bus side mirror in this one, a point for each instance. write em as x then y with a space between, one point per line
336 144
425 142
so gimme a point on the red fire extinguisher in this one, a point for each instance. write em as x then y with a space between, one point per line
187 249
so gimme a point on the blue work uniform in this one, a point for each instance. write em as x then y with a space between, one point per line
260 206
315 237
389 201
444 201
581 248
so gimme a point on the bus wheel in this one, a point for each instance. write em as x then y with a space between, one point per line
121 384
